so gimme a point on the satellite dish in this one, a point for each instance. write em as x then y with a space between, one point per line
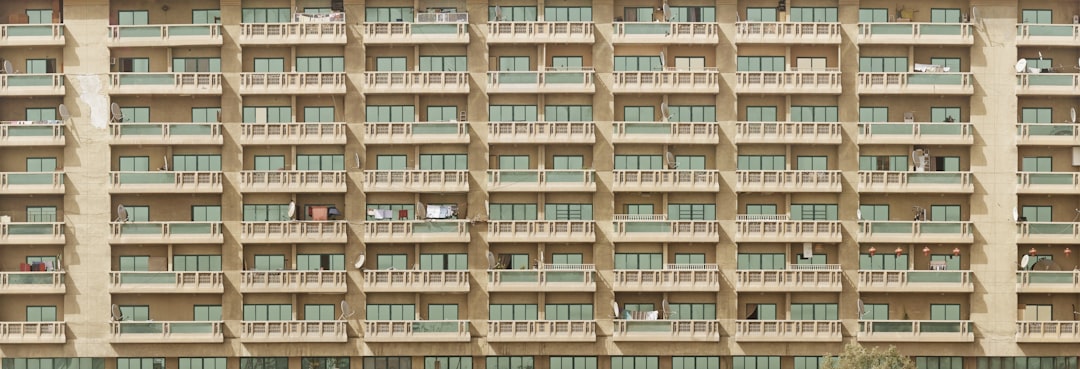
1072 115
1040 55
498 13
346 310
117 114
8 68
858 214
615 307
121 213
662 61
292 210
360 261
974 14
1016 215
671 161
491 260
117 315
1024 261
1021 66
64 113
166 167
667 12
667 308
862 309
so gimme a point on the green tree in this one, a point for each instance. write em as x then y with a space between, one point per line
857 357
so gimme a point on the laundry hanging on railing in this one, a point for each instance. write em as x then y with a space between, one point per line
381 214
441 211
641 315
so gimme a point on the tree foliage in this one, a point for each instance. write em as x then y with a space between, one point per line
856 356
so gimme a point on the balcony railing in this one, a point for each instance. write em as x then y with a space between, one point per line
165 182
915 182
541 331
668 81
333 231
789 330
1048 232
542 180
32 182
292 133
1048 83
796 278
293 181
915 133
666 330
666 180
944 83
416 180
37 233
166 282
166 133
444 281
416 82
661 32
415 133
674 277
165 35
1048 134
33 332
292 83
32 133
1048 331
1047 281
916 331
1047 34
540 32
818 82
32 34
32 282
292 33
165 83
166 332
532 82
641 230
51 84
787 32
915 281
916 33
294 331
541 231
667 132
541 132
417 331
417 231
788 132
580 279
789 180
429 28
916 232
166 232
785 230
285 281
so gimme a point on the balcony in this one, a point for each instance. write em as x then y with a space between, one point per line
32 85
789 331
165 35
1046 281
916 331
921 83
293 281
1039 84
796 278
789 181
33 332
329 32
294 331
429 28
657 228
1047 34
166 282
1042 134
180 84
706 133
166 332
823 82
930 281
541 133
417 231
674 277
1048 232
416 82
916 133
911 33
32 183
666 33
292 134
417 331
443 281
541 331
425 181
666 181
22 35
540 32
32 233
416 133
667 82
547 82
780 228
564 231
24 283
788 133
915 182
787 33
541 180
165 182
915 232
1048 332
666 331
552 278
292 83
293 181
166 133
133 233
28 133
332 231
